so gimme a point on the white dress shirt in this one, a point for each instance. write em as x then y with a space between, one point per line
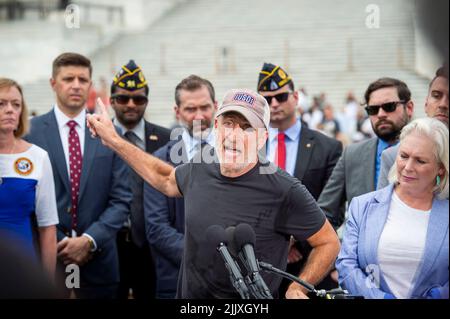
62 120
139 130
192 143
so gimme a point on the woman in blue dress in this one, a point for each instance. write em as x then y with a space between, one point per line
26 183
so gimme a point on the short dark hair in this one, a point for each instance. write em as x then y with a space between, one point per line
402 89
114 88
441 72
192 83
291 86
71 59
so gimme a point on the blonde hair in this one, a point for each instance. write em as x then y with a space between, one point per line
24 125
437 132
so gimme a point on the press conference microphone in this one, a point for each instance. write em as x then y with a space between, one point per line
216 235
245 238
234 251
231 245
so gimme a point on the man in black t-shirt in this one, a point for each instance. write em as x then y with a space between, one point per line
230 187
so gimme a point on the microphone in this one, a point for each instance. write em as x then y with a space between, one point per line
231 245
245 238
217 236
337 293
254 291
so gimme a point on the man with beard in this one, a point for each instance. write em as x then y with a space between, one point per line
195 103
389 106
129 99
436 106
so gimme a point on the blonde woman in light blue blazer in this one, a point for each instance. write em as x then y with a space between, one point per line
396 241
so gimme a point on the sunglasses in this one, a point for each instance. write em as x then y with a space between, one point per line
124 99
282 97
387 107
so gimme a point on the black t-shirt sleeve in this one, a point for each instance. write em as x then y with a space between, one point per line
301 216
182 176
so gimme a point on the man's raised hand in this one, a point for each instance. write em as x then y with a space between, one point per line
101 125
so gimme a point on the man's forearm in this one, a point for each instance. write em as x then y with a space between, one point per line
153 170
319 264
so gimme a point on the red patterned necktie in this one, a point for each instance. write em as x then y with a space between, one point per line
280 155
75 164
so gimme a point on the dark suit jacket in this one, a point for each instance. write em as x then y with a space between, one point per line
156 136
353 176
316 157
104 198
164 218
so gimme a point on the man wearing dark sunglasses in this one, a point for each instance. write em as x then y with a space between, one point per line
308 155
389 106
129 99
436 106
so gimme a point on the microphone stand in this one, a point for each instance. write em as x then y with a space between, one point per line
331 294
255 282
272 269
235 277
255 288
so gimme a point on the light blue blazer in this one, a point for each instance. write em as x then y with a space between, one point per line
357 262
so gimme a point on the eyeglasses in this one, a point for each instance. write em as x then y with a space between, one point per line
124 99
387 107
281 97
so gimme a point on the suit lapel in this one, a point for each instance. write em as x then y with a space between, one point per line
368 155
151 138
148 142
90 148
436 236
305 149
55 148
376 219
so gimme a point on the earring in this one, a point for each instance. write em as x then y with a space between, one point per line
438 180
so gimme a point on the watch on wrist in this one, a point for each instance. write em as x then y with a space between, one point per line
91 243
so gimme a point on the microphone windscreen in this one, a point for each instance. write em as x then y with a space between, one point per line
243 235
231 244
215 235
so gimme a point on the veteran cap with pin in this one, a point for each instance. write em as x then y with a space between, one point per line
130 77
272 78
